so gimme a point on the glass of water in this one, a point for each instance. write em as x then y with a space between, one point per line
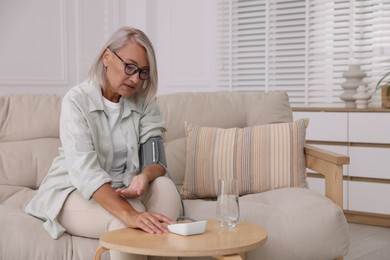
228 209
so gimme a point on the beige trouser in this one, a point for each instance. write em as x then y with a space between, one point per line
86 218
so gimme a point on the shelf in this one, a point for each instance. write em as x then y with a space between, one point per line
339 109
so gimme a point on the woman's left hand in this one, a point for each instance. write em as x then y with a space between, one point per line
140 183
138 186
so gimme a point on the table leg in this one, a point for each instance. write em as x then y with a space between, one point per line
99 252
240 256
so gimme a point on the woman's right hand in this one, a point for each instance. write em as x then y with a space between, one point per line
151 222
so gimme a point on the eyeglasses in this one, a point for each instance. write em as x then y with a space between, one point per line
131 69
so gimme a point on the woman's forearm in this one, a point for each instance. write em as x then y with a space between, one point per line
150 222
114 203
153 171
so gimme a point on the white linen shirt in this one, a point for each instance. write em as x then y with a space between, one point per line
86 154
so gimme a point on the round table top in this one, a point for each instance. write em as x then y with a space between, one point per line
215 241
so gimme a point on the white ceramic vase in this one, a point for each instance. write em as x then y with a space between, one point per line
362 97
353 76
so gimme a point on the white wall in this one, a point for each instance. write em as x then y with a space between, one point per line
47 46
185 44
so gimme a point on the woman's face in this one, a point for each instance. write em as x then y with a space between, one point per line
118 83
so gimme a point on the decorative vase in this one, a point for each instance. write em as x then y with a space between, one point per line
362 97
353 76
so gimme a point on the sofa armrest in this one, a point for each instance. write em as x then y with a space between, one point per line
330 165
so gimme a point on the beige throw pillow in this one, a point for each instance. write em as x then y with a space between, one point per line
261 158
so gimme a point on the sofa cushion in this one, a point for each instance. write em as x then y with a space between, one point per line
23 237
222 109
175 153
261 158
26 116
22 231
16 196
301 223
26 163
29 137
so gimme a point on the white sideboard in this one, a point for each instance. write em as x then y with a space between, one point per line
364 136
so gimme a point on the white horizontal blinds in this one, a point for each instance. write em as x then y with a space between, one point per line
249 45
264 48
286 48
302 46
329 46
224 49
366 51
376 37
242 46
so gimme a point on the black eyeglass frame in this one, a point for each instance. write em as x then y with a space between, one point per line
132 67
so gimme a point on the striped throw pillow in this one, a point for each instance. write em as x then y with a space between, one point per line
261 158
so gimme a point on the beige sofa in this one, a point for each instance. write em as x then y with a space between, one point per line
301 223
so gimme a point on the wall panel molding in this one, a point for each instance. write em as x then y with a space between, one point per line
185 44
56 41
23 79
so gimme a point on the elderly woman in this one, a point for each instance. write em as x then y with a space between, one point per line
100 181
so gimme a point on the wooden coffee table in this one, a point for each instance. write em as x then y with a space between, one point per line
218 242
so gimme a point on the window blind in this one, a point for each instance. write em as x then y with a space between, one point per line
302 46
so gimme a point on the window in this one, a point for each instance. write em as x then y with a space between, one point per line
302 46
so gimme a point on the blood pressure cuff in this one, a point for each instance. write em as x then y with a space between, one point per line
153 151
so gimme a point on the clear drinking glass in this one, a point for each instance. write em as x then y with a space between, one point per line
228 209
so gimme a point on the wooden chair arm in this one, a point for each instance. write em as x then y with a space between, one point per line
330 165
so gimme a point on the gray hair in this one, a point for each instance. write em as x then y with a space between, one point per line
117 40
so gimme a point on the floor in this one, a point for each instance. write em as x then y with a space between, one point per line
368 243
